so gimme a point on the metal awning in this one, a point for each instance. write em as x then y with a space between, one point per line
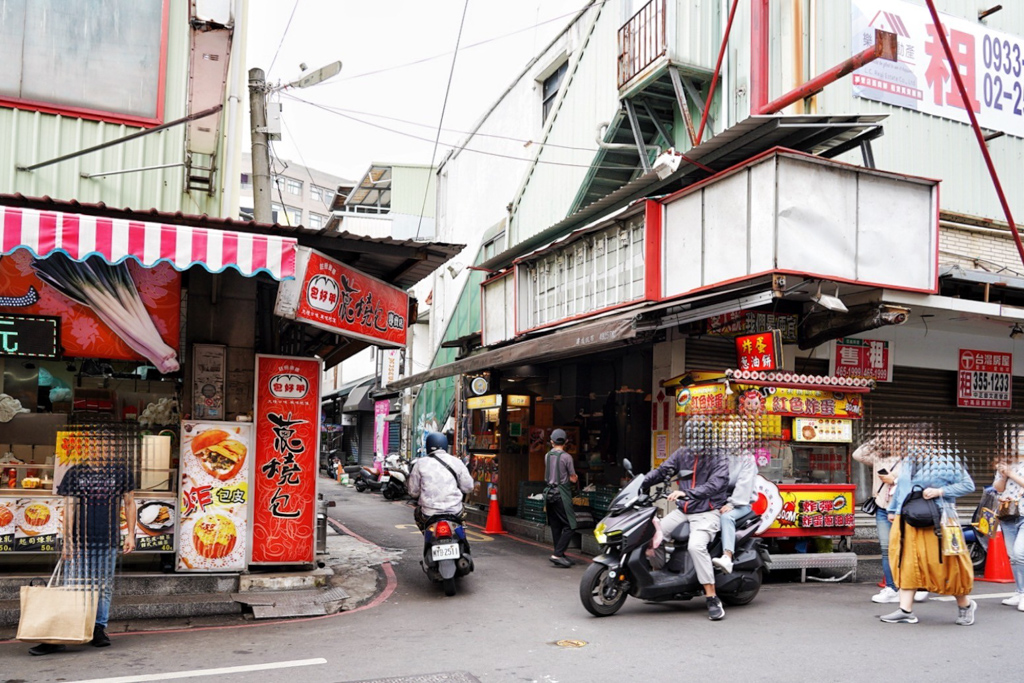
591 337
359 398
79 236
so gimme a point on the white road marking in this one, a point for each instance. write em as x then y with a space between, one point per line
196 673
973 596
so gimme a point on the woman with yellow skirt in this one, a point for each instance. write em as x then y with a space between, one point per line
915 554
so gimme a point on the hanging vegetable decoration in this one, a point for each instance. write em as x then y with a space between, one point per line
110 293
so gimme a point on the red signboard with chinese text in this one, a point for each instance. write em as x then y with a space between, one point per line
864 358
762 351
287 420
985 380
343 300
213 505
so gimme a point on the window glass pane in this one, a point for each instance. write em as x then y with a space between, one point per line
294 186
315 193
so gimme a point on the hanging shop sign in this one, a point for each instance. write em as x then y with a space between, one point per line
335 297
991 64
738 323
800 402
704 399
478 402
287 447
214 499
815 510
864 358
29 336
121 312
762 351
825 430
985 380
518 401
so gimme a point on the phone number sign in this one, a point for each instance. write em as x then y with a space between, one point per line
991 65
985 380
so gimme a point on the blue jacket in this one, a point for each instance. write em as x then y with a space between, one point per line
707 488
940 471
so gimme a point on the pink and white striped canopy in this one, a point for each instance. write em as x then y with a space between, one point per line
80 236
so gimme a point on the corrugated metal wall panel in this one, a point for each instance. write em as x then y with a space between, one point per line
591 98
694 37
32 137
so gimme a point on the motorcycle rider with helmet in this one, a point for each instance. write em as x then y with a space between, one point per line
698 501
438 481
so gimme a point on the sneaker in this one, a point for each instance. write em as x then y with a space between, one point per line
900 617
886 595
715 609
920 596
965 616
1013 600
724 563
1020 605
46 649
99 637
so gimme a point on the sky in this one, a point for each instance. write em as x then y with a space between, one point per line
376 40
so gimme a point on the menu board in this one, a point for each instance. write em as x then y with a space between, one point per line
287 448
31 524
154 525
214 495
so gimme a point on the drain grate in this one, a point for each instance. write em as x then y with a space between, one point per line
449 677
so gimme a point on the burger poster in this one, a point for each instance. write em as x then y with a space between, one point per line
213 507
285 468
31 524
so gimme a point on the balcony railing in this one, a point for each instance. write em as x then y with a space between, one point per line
641 40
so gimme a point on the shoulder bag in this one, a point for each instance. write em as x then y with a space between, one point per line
56 614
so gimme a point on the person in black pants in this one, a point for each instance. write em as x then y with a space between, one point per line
559 474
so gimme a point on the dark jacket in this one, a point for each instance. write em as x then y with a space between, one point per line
707 488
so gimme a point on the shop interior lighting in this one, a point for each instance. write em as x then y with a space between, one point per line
1017 331
829 301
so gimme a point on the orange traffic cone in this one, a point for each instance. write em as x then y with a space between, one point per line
997 563
493 514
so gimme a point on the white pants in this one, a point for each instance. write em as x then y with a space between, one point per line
703 527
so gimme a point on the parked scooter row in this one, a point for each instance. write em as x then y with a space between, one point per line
389 475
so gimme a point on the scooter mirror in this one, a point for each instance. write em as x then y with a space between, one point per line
628 466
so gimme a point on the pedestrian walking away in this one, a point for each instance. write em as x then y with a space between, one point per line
94 493
916 556
560 475
1009 483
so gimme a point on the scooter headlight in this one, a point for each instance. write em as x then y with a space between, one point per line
599 533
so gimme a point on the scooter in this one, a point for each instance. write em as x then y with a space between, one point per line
446 553
398 469
372 478
624 568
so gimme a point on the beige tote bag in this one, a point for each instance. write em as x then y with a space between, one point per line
57 614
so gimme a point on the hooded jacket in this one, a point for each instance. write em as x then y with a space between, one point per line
707 488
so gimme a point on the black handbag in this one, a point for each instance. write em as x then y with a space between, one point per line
870 506
920 512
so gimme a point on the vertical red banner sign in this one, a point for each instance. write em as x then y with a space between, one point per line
761 351
287 417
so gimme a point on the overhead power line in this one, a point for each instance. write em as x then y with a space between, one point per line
283 36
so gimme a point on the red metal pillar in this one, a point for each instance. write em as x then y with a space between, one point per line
955 69
884 48
758 55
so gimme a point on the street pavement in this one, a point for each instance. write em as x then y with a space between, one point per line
518 618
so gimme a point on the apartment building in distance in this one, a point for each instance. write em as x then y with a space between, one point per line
301 195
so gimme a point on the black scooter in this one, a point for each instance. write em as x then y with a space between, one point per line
445 551
624 569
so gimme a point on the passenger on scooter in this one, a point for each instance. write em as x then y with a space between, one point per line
742 472
698 500
438 481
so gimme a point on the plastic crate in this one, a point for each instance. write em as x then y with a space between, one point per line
528 508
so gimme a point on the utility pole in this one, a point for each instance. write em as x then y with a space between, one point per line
262 212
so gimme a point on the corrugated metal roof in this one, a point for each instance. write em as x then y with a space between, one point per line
402 263
827 136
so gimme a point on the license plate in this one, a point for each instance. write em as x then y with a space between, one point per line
447 551
385 479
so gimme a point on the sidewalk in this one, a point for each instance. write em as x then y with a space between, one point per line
351 577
